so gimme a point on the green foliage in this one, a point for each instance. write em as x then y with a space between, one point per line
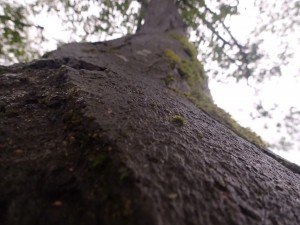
98 20
207 21
93 18
14 45
87 20
11 31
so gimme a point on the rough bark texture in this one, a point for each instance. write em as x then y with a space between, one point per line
93 135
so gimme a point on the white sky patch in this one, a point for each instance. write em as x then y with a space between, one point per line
292 155
239 99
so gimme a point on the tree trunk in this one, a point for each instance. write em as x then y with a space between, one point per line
102 133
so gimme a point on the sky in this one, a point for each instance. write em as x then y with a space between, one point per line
238 99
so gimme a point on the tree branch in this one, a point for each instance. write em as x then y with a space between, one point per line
8 18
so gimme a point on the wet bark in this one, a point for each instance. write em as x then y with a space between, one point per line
92 134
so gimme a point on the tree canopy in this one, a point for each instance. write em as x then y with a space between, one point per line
223 54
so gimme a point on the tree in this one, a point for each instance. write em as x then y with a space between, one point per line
126 132
207 26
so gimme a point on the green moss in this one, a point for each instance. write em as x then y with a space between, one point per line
192 71
178 120
168 79
172 195
172 56
186 44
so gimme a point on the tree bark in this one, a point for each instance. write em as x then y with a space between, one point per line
93 134
162 16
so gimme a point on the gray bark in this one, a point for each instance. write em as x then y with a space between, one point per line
161 17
